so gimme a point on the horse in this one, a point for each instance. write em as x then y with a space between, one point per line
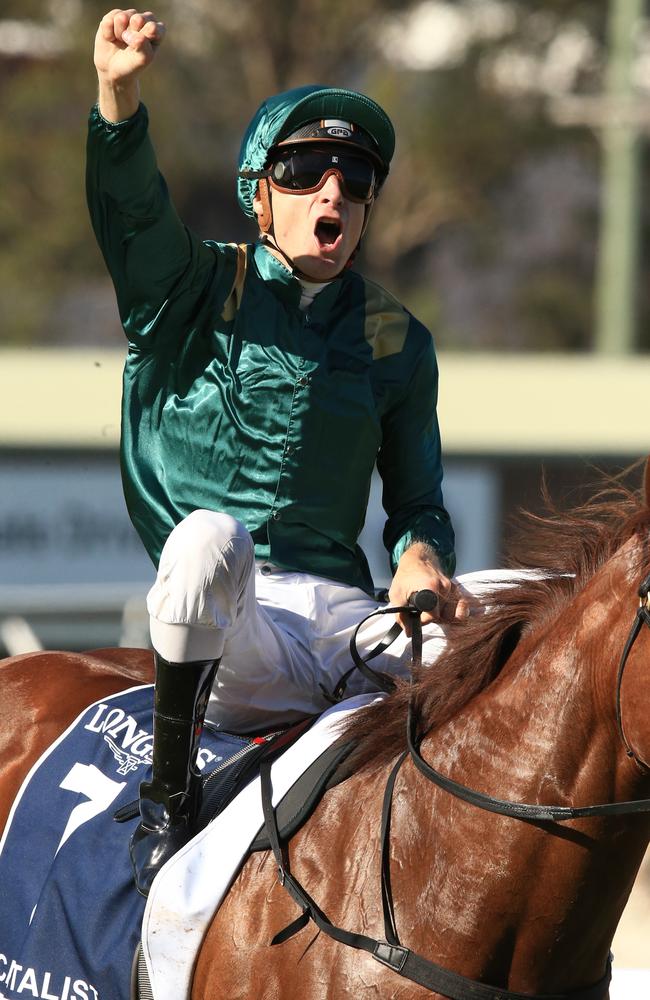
542 697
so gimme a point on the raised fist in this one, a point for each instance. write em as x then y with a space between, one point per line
125 44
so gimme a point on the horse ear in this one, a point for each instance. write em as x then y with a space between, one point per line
646 482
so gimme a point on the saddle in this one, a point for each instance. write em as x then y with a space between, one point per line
222 785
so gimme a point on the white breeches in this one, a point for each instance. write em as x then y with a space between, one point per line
279 634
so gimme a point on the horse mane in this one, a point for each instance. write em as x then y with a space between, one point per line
568 547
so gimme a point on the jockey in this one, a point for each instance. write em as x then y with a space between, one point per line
262 383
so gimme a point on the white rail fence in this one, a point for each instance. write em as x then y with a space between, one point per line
72 616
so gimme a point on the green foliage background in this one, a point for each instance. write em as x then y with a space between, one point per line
464 232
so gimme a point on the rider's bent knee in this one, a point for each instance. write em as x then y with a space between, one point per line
207 539
207 529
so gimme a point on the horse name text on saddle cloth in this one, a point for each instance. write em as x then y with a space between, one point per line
70 917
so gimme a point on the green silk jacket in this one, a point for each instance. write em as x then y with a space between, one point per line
234 400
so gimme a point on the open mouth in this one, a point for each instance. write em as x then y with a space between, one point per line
327 232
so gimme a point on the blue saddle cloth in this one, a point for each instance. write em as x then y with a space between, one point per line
69 914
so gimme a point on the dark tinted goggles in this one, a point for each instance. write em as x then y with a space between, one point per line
303 171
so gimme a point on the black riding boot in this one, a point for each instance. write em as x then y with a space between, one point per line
170 802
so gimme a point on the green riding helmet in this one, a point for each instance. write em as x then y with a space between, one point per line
326 110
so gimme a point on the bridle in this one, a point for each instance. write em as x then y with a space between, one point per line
390 951
642 618
553 813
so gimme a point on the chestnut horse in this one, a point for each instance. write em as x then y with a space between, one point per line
529 705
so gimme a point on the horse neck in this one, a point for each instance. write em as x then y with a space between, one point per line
546 724
544 731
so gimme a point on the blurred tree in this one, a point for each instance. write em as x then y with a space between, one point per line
488 223
220 61
482 176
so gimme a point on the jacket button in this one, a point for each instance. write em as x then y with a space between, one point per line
276 515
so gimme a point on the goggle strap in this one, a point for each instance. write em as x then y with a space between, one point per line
254 175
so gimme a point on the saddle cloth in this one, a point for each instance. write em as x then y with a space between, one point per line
183 901
70 918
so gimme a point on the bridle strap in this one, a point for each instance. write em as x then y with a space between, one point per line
642 617
535 811
383 681
417 602
390 952
390 927
508 807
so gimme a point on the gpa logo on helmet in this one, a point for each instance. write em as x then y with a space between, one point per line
342 130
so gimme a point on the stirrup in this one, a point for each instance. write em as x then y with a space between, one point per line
165 827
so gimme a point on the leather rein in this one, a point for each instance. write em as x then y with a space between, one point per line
390 951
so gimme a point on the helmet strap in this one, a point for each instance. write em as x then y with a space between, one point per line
269 242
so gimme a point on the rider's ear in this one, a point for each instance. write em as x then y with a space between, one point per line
262 206
257 203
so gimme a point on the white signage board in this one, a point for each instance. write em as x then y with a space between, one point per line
63 520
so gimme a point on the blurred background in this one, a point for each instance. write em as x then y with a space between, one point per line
514 224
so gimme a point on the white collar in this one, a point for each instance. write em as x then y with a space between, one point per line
310 290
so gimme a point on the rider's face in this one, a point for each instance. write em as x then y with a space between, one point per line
318 231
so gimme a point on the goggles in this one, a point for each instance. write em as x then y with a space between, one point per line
304 171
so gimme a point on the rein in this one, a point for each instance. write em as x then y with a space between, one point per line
529 811
642 618
390 951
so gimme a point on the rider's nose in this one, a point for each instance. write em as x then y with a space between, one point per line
332 190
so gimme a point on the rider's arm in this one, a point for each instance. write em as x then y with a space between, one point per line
164 276
418 532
